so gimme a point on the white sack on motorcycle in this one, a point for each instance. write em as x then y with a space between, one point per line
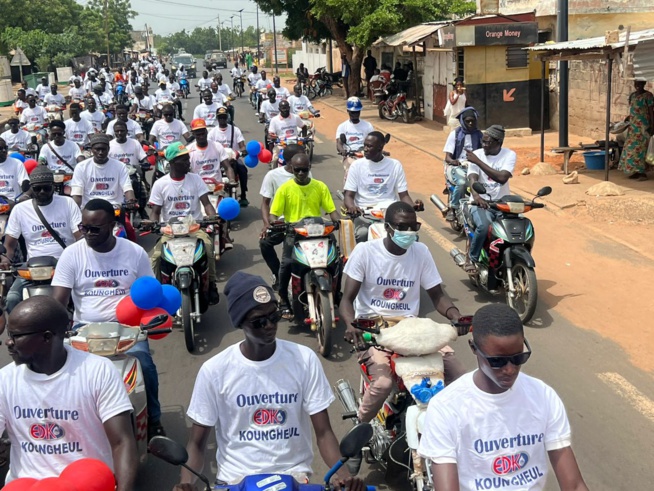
415 336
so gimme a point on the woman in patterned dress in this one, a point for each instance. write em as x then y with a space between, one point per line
641 127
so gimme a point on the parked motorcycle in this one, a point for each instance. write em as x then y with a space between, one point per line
112 340
174 453
418 371
315 275
393 104
506 262
184 264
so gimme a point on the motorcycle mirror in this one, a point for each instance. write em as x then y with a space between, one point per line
355 440
156 321
479 188
342 138
387 138
544 191
168 450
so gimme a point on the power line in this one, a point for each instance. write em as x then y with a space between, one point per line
203 7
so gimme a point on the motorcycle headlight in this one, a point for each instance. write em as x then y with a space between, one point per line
103 346
315 229
41 273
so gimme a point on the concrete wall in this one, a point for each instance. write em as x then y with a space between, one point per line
315 56
438 75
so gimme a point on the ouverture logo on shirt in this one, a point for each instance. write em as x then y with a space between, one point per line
269 421
106 284
44 432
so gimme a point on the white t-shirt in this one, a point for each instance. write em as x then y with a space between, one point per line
224 136
62 214
99 280
204 83
179 198
261 410
89 84
355 134
18 140
36 115
269 109
505 160
79 131
262 84
450 146
497 441
219 98
69 151
235 72
133 128
145 104
54 420
286 128
225 90
108 181
253 78
130 152
168 133
206 161
208 113
43 90
390 284
76 93
164 95
273 180
56 99
374 182
103 102
95 118
299 104
12 175
71 80
281 93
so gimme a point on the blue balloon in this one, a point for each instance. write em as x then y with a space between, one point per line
253 147
228 209
251 160
146 293
172 299
18 156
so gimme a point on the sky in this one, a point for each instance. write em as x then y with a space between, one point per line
169 16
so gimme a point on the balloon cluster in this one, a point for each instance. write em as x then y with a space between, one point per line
147 299
256 153
30 164
81 475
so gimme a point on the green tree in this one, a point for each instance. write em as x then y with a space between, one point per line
119 13
53 16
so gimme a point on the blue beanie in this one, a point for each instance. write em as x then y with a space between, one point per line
244 292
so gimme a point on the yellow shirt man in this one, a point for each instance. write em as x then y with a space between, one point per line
296 202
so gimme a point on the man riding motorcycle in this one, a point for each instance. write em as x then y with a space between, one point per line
77 92
169 129
62 215
142 108
260 86
15 180
33 114
43 88
60 153
15 137
373 179
269 108
282 92
78 130
208 109
133 128
236 74
285 127
181 187
355 130
54 97
229 136
204 83
21 102
492 166
92 115
300 102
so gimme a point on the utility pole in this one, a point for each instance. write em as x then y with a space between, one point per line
220 38
562 35
258 37
275 43
240 13
147 38
106 31
233 52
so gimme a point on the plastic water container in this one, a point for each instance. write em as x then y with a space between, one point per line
594 160
6 93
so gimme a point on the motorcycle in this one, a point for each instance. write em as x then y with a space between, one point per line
282 143
393 104
38 133
505 261
119 92
218 191
111 340
418 372
315 275
175 454
184 87
307 117
454 175
184 264
352 152
55 112
61 179
239 85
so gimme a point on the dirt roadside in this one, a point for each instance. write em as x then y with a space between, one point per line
595 281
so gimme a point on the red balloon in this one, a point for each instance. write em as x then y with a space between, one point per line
54 484
22 484
127 313
88 475
261 146
30 165
265 156
148 315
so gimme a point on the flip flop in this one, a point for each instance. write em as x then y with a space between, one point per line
286 312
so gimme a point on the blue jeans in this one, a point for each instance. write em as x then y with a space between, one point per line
141 351
457 194
483 218
15 293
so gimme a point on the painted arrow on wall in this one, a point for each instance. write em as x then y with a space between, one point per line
508 95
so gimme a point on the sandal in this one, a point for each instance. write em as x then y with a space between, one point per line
285 310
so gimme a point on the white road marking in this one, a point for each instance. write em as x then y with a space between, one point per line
438 237
317 139
641 403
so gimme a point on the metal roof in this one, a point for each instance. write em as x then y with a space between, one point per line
595 43
412 35
644 60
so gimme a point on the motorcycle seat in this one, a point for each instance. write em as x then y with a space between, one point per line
41 261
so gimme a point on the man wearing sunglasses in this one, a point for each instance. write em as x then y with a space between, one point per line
60 404
373 179
13 176
496 427
492 166
60 212
263 396
384 278
98 273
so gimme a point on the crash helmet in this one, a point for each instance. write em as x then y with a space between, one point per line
354 104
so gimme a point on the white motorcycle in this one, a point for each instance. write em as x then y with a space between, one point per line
375 213
307 118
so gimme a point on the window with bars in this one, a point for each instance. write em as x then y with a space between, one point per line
459 62
517 57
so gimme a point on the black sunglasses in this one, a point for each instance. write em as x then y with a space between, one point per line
4 149
405 227
20 335
261 322
47 188
297 170
497 362
86 229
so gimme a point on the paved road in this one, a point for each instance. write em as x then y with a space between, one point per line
612 419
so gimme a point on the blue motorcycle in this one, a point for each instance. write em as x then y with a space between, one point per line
172 452
184 87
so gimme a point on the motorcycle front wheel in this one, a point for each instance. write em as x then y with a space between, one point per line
404 111
385 113
187 320
324 320
526 291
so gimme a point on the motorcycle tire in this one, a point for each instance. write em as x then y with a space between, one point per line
406 114
310 150
456 226
324 319
187 320
526 285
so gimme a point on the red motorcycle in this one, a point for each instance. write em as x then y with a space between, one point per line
392 104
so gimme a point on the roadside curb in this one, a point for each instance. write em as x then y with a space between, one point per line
553 208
